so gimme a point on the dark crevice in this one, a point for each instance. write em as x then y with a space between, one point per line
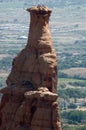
33 109
28 84
50 79
21 124
50 89
0 121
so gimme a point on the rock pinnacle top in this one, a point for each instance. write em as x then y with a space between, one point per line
39 37
40 9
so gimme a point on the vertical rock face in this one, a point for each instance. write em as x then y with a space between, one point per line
29 100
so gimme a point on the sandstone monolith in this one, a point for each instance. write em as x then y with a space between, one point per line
29 101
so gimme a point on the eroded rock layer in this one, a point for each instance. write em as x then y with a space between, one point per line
29 101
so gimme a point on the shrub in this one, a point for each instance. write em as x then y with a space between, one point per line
72 106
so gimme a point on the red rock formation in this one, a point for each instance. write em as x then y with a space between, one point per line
29 100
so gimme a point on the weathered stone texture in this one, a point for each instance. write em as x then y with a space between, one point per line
29 101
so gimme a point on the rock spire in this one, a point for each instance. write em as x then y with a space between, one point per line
29 101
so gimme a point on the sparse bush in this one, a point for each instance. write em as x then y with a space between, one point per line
82 84
72 93
72 106
74 117
62 75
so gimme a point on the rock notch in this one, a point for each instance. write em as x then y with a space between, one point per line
29 101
